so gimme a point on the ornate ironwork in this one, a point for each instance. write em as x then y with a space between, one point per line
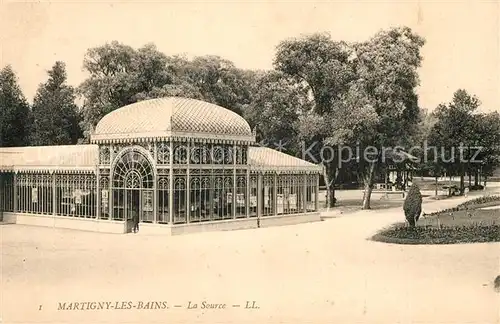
148 146
217 154
180 153
162 171
196 155
104 182
117 148
180 183
104 155
133 170
133 180
163 183
241 182
228 154
268 180
163 153
253 181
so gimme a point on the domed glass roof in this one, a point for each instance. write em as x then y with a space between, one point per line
172 117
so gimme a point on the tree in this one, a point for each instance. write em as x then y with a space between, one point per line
413 205
55 115
422 135
322 65
218 81
455 134
364 95
379 109
276 104
111 82
15 113
179 86
120 75
487 139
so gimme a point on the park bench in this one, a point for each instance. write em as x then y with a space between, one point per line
452 190
383 186
391 192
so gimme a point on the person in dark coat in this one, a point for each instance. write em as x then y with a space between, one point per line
135 218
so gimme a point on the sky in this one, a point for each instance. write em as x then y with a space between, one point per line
462 37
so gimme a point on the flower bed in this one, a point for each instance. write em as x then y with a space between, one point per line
465 223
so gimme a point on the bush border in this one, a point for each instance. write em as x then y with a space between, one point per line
477 203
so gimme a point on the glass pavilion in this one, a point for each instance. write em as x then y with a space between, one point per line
182 164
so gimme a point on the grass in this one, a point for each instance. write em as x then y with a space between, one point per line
461 217
466 223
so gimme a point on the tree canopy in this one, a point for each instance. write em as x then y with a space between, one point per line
120 75
55 115
364 93
466 140
321 97
15 113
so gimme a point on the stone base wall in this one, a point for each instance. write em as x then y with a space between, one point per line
106 226
291 219
76 223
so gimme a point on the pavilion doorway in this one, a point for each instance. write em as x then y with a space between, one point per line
133 194
132 207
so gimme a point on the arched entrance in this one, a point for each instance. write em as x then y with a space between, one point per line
133 188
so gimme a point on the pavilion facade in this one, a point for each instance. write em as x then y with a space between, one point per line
182 165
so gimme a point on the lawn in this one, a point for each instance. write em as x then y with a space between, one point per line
466 223
480 217
352 205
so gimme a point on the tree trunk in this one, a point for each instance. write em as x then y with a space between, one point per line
368 180
330 185
367 196
436 189
327 185
386 183
333 199
462 179
476 177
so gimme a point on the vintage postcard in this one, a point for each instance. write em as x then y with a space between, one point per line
249 162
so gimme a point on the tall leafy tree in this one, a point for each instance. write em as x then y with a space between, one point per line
120 75
276 104
380 109
455 133
112 81
487 139
364 95
55 115
322 65
218 81
15 113
421 138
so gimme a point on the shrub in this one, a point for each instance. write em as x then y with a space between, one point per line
471 233
413 205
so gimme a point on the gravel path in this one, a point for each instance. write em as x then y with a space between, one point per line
325 272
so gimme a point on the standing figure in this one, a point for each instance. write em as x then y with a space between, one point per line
135 217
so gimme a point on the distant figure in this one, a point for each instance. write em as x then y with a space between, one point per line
466 192
135 218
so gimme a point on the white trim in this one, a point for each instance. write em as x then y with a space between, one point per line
169 135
